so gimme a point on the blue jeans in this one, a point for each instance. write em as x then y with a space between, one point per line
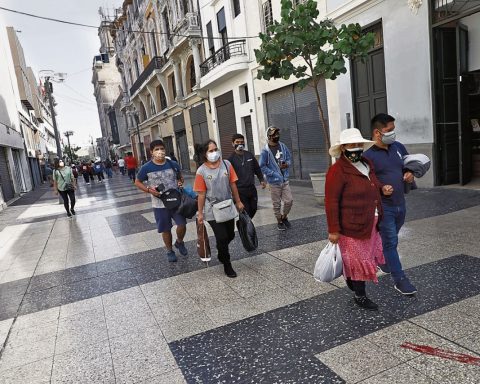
393 219
109 172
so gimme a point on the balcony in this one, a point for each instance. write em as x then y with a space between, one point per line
232 49
189 26
156 63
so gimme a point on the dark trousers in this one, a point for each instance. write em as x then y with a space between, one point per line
86 177
249 198
131 173
100 176
65 196
357 286
224 234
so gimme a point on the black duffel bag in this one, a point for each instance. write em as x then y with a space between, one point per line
188 205
247 232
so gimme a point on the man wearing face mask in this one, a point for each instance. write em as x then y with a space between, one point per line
275 161
246 166
163 174
387 157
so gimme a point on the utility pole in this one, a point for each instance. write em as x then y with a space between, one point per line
68 134
49 89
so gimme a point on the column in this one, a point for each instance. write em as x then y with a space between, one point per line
194 43
178 79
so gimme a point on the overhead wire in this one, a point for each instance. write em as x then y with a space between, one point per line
52 19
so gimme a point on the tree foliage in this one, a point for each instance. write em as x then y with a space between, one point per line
71 152
321 46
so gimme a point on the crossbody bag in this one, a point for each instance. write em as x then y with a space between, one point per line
224 210
68 186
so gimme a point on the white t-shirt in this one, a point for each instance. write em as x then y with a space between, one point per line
121 162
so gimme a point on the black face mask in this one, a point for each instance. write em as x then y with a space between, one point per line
275 139
239 147
354 156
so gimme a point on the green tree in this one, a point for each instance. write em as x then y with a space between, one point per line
311 50
71 152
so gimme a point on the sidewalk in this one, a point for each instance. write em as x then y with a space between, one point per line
93 299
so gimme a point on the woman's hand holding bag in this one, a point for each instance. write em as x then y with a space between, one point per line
329 264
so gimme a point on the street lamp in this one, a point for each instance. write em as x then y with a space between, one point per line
68 134
50 76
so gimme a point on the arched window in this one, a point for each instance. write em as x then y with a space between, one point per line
153 110
192 79
143 113
162 98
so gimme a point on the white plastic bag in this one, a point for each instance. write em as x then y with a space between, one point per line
329 264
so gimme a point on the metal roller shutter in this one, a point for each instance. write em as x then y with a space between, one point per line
226 122
281 114
182 144
198 120
311 140
295 112
5 179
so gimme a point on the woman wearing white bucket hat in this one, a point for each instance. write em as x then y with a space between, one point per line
353 207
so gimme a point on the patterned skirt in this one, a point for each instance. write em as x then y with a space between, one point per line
361 256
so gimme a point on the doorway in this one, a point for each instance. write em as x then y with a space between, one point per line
456 71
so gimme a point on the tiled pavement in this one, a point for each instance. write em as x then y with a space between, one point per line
93 299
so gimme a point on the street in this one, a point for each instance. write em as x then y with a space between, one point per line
94 299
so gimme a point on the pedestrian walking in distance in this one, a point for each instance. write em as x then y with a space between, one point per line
121 165
215 182
354 209
108 168
86 172
65 185
98 169
160 175
131 164
246 166
275 161
387 157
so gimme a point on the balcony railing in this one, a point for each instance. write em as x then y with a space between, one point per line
232 49
156 63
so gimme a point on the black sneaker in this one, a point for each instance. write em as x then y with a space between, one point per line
73 211
286 223
227 267
69 214
365 303
281 226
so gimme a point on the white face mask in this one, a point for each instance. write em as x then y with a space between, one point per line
61 164
213 156
159 154
389 137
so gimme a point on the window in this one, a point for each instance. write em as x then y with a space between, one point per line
137 70
222 26
172 86
130 75
267 14
162 97
153 43
153 110
185 7
166 23
193 78
211 44
244 97
236 8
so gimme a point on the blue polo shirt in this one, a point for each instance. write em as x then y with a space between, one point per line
389 170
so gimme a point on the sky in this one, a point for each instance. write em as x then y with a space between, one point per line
63 48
